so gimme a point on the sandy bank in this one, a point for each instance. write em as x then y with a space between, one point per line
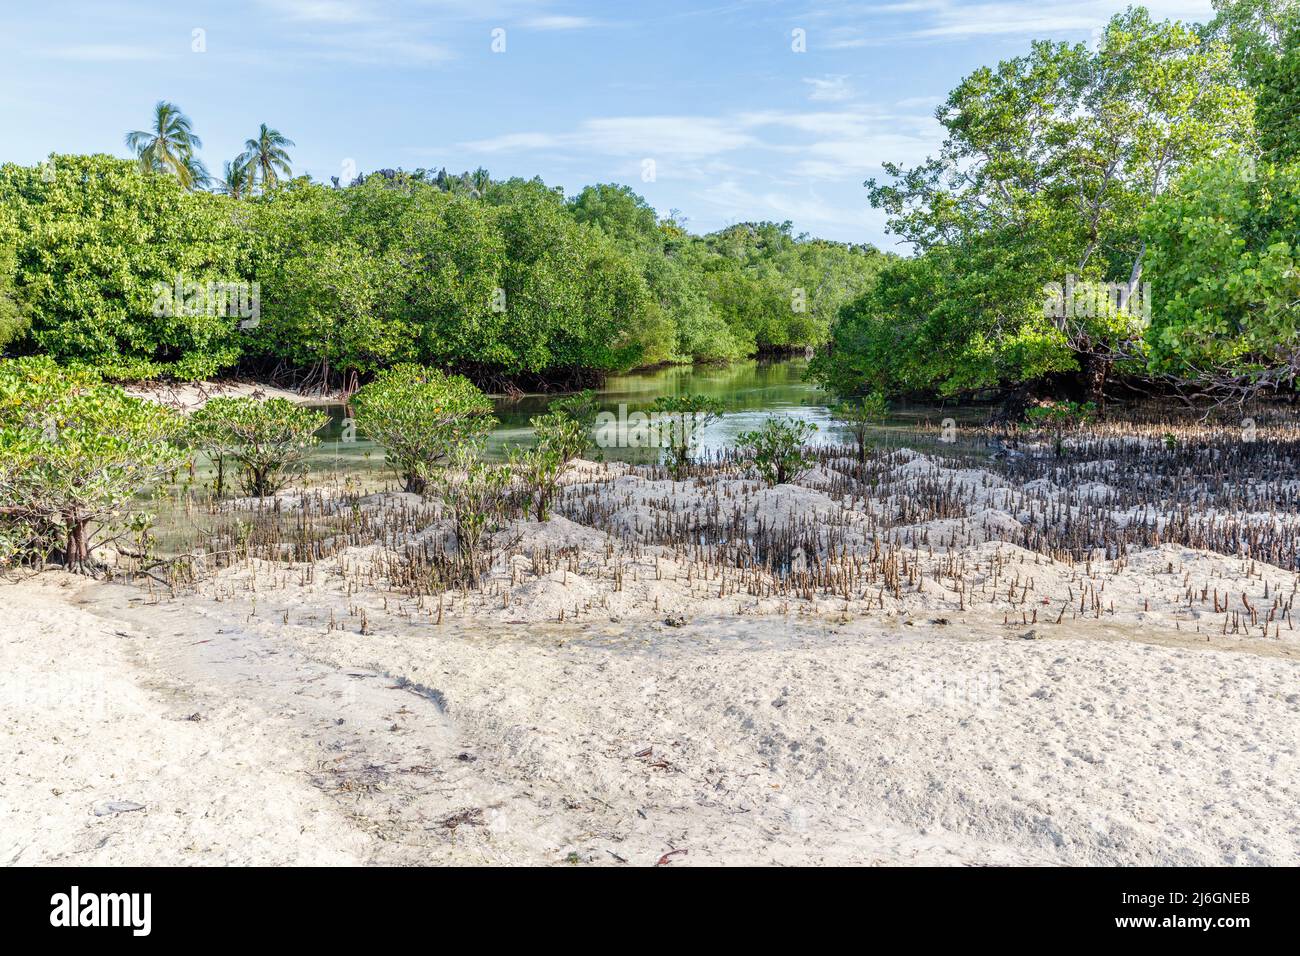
105 760
187 396
756 741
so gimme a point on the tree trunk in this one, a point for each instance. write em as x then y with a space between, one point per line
1095 372
76 550
1014 405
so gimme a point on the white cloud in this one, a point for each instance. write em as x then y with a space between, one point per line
559 23
855 139
322 11
832 88
377 47
686 137
735 203
941 20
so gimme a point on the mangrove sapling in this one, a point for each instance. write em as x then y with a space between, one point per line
778 449
23 536
679 419
1057 418
269 440
77 453
474 495
560 439
423 418
206 431
581 407
539 468
859 415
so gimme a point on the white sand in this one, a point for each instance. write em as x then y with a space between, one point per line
85 728
766 729
187 396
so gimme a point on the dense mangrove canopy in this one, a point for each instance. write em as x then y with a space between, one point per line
115 264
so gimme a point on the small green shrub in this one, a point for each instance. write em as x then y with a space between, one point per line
779 449
1058 418
269 440
424 419
475 495
860 414
580 406
560 439
74 454
680 418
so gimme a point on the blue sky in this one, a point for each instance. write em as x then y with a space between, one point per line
737 124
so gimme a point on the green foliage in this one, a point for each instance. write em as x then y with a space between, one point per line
1277 101
168 147
582 407
679 420
14 320
1058 418
563 434
424 419
265 158
751 288
860 414
98 243
73 453
778 292
329 311
116 263
396 270
539 468
779 449
570 300
1225 250
1050 162
619 213
269 440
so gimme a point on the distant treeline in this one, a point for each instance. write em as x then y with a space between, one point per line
106 264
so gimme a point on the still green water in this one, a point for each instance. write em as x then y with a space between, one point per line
749 393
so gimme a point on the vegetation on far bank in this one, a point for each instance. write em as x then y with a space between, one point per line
132 269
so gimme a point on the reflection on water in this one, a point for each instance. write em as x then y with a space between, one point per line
749 392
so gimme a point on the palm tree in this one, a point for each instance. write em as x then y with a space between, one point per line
266 155
168 147
236 178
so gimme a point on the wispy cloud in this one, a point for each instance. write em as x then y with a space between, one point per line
913 21
829 89
377 47
826 146
322 11
688 137
557 22
735 202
